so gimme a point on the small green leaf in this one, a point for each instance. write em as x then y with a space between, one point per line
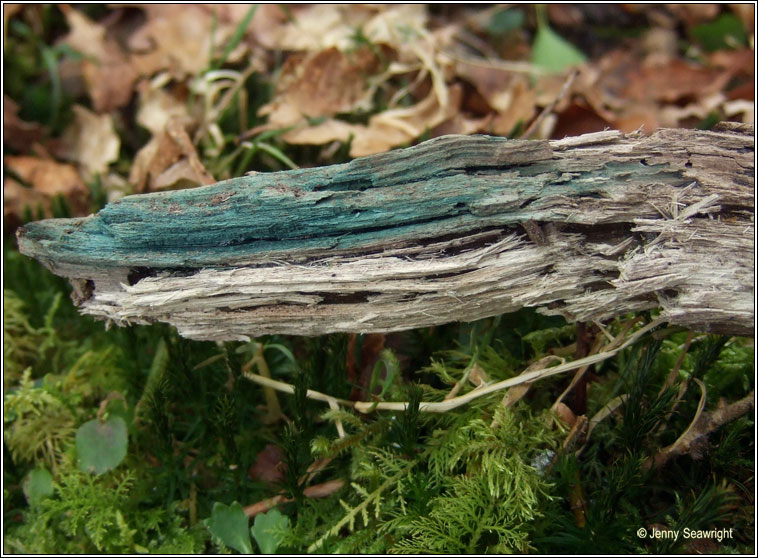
265 527
554 53
726 31
229 523
101 445
38 485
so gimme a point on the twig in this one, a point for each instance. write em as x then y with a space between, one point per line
548 109
460 383
273 410
701 426
450 404
607 410
610 346
516 393
334 406
316 491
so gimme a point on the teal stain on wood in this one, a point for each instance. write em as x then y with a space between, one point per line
449 185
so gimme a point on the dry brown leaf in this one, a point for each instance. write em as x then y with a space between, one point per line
91 141
660 46
19 134
672 81
324 132
320 84
264 27
692 14
385 130
151 160
47 179
746 13
324 489
578 119
396 127
642 118
521 107
169 159
107 71
737 62
320 26
179 175
180 38
9 10
157 106
329 81
629 91
565 414
269 465
493 84
478 376
461 124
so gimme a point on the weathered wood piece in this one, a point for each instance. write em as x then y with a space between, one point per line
456 228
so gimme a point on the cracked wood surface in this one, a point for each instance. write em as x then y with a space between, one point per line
455 229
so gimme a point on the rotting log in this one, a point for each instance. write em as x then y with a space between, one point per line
454 229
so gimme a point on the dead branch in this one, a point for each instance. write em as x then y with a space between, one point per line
432 234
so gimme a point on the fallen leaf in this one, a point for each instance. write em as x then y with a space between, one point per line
179 175
46 179
671 115
321 26
151 160
157 106
627 90
265 25
521 107
181 39
740 107
321 84
563 412
9 10
578 119
660 46
19 134
643 119
493 84
672 81
462 124
269 465
91 141
106 68
691 14
385 130
392 128
168 160
746 13
554 53
477 376
324 489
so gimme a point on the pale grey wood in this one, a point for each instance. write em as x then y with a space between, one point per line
588 228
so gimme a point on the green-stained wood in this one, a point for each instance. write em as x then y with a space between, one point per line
450 185
456 228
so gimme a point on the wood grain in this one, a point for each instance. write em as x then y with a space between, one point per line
455 229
